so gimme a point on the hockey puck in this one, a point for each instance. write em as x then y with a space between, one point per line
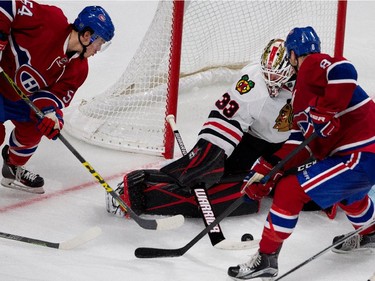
247 237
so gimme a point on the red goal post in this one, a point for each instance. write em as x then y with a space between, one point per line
193 44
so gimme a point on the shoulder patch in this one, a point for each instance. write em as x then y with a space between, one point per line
244 85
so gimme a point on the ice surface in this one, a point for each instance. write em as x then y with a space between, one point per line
74 201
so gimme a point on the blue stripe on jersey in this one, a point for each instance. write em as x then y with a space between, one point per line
6 7
296 137
359 95
49 96
22 57
343 70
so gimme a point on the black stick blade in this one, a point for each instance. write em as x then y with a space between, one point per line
149 253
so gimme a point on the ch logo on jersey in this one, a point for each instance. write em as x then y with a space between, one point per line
61 62
284 120
244 85
29 80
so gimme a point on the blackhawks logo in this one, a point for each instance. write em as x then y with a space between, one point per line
283 122
244 85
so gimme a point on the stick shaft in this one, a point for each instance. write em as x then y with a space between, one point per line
144 223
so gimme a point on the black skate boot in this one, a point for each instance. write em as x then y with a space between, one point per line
17 177
260 266
355 243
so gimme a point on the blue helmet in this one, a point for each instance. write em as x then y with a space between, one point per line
303 41
96 18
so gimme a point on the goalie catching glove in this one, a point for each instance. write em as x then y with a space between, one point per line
203 164
252 186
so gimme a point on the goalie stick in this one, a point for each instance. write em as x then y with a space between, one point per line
74 242
338 242
216 235
145 252
154 224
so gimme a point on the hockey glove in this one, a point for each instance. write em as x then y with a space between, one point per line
254 189
203 164
52 122
303 121
325 123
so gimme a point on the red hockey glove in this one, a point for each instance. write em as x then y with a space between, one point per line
303 121
325 123
252 187
52 122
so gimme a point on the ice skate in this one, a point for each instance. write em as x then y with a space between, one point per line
112 206
17 177
261 265
357 243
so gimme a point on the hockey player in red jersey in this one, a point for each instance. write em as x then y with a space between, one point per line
327 100
252 118
47 58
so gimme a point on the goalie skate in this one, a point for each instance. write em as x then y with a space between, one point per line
17 177
112 206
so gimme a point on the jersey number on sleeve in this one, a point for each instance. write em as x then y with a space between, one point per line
25 11
227 106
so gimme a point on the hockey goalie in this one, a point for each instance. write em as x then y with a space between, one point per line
251 119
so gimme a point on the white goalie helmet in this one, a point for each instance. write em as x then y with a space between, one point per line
275 66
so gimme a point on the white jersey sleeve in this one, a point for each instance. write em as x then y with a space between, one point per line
246 107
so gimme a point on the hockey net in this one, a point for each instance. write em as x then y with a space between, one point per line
219 38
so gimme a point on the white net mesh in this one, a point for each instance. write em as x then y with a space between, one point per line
218 38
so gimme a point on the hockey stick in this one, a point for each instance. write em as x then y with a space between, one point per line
155 224
74 242
216 235
145 252
338 242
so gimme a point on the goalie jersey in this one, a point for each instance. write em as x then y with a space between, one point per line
248 108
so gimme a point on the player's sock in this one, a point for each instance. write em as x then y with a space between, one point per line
17 177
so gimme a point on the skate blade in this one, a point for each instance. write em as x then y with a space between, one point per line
255 278
19 186
355 251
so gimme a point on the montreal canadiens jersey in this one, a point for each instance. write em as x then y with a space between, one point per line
331 83
35 56
246 107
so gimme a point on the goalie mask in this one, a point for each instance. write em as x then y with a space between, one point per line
275 66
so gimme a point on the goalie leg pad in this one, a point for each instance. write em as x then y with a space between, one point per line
155 193
203 164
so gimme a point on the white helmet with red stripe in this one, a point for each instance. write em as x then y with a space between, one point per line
275 66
